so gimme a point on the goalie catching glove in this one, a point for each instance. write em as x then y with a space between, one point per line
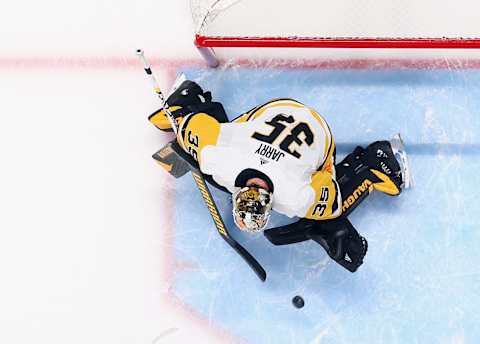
187 98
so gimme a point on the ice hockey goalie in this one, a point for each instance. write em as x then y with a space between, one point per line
281 155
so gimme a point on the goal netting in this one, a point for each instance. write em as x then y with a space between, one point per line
337 24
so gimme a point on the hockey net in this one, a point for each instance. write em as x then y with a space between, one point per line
347 24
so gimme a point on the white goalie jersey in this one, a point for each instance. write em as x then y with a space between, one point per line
283 140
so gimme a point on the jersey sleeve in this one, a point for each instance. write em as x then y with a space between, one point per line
196 132
328 199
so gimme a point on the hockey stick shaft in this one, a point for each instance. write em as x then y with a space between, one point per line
156 88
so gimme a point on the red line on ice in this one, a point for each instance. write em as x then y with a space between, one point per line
15 63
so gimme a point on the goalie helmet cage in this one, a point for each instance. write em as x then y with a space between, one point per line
406 24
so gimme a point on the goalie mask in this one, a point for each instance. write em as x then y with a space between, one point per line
251 208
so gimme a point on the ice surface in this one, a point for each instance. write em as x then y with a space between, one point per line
420 282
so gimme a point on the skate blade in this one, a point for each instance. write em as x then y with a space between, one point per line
400 154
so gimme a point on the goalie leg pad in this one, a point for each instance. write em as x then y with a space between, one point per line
382 166
355 179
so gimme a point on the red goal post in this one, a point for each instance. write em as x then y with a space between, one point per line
393 24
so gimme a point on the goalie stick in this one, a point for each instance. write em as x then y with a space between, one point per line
200 180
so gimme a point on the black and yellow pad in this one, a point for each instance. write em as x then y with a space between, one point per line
363 171
171 161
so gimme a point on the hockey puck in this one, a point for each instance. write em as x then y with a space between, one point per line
298 302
